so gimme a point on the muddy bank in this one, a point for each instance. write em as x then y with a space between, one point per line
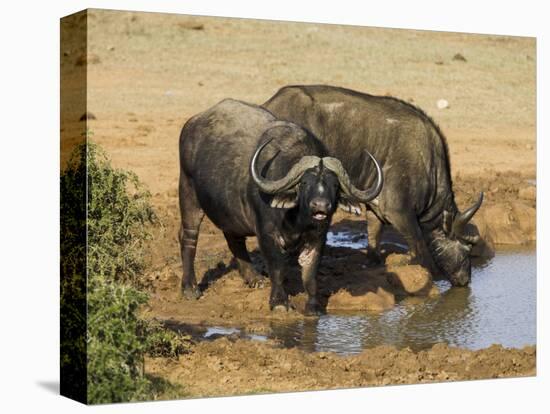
508 215
346 283
228 366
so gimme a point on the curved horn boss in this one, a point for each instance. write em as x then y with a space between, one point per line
306 162
363 196
288 181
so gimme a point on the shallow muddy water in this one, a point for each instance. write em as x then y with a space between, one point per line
499 307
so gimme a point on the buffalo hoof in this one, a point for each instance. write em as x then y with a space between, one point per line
313 309
281 308
191 293
278 299
255 282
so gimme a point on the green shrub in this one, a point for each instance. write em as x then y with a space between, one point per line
115 348
119 210
162 342
73 277
119 215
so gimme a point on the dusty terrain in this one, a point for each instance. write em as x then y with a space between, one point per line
148 73
233 367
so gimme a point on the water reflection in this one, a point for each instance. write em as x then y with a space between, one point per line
445 319
351 240
498 307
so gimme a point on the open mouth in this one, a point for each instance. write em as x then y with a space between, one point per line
320 216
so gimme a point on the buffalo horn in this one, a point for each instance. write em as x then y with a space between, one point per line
288 181
462 219
363 196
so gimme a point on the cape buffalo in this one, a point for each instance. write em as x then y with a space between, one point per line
417 198
254 175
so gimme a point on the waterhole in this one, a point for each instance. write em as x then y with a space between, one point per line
499 307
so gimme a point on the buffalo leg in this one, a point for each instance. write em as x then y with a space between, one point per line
276 263
237 245
191 218
309 261
375 229
407 225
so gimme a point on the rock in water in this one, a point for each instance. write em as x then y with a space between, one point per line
374 301
396 259
413 279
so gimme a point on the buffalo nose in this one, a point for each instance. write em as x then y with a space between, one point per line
320 205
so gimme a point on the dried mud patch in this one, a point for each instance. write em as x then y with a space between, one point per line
232 367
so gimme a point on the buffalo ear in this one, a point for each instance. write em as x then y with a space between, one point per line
447 222
349 206
470 240
284 200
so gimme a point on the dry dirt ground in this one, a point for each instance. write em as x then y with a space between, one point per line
233 367
148 73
